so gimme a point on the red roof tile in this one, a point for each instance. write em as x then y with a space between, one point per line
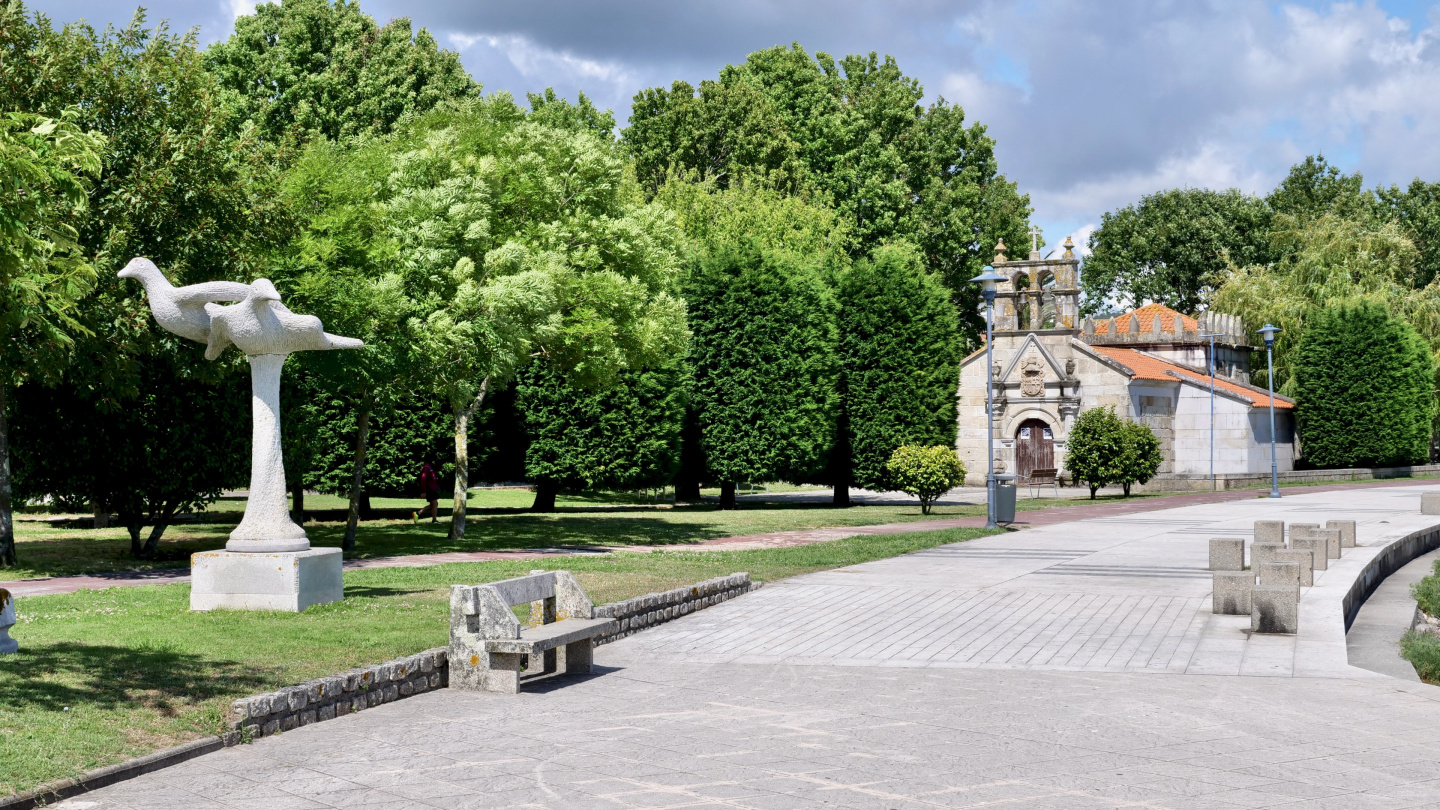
1146 315
1147 367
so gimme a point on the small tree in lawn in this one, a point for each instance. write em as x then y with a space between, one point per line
1139 455
1096 447
925 472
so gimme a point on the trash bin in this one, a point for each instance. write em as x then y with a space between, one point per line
1004 498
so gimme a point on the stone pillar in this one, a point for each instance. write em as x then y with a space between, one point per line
266 527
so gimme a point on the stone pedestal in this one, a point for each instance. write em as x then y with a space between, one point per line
290 581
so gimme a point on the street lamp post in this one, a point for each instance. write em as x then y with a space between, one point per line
1269 333
987 281
1212 337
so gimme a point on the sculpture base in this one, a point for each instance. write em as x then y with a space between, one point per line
288 581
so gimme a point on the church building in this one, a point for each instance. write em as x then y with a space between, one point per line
1151 364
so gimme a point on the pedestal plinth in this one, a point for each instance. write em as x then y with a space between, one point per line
290 581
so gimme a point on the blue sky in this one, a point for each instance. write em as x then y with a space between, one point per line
1092 104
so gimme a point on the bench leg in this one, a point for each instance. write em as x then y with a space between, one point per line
550 662
503 674
578 657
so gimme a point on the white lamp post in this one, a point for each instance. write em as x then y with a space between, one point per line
987 281
1212 337
1269 333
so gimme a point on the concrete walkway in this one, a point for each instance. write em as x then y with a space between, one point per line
1374 637
1067 666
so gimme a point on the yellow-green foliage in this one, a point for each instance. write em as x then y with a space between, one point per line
925 472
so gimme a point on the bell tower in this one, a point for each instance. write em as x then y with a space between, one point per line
1038 295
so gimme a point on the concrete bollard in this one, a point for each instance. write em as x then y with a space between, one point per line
1227 554
1430 503
1315 544
1280 573
1302 557
1230 594
1275 609
1261 553
1332 542
1270 531
1347 531
7 620
1302 530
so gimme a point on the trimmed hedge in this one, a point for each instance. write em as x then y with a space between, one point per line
1365 389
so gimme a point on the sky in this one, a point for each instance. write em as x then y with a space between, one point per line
1092 105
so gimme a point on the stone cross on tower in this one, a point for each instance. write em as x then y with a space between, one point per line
1034 241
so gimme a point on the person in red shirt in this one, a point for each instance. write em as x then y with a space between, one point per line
430 490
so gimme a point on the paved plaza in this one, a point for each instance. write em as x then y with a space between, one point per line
1074 665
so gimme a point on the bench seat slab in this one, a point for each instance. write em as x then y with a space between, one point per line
549 636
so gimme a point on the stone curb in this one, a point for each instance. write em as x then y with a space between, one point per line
102 777
634 615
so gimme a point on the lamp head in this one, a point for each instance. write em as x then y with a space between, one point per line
987 281
1269 332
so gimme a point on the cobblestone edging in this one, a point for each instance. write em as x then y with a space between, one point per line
339 695
651 609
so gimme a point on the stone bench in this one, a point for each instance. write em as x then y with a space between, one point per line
489 648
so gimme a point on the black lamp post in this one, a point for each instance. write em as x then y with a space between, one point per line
1269 333
987 281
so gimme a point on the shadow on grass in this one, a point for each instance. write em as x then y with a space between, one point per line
53 676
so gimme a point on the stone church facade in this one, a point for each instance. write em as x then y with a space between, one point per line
1150 364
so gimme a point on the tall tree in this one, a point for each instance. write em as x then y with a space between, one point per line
764 364
1364 384
1315 188
1417 210
1173 247
900 351
317 68
175 187
855 131
45 166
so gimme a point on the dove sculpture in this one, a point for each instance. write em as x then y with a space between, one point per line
267 332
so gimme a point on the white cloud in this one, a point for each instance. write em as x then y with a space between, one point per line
546 65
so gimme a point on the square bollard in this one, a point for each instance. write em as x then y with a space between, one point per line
1231 592
1270 531
1275 609
1332 542
1280 573
1302 530
1302 557
1430 503
1261 553
1315 544
1227 554
1347 531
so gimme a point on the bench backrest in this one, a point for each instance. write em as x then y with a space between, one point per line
484 610
1044 476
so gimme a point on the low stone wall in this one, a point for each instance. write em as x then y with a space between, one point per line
651 609
1199 483
1387 562
338 695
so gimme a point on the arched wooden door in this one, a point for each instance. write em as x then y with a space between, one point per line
1034 447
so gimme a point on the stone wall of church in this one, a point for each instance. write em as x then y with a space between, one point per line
1242 435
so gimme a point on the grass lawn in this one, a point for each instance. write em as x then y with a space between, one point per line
107 675
46 551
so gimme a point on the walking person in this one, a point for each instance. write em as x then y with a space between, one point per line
430 490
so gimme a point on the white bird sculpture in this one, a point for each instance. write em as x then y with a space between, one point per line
182 309
260 324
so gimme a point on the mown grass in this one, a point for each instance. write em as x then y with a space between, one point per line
105 675
47 551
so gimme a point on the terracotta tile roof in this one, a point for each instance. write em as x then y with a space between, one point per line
1147 367
1146 315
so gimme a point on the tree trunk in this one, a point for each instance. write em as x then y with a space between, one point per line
727 495
1093 488
352 523
692 461
134 523
297 503
100 514
7 527
545 492
842 495
162 522
687 490
462 460
1126 489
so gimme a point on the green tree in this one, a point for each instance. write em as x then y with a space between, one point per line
1173 247
175 187
316 68
1314 189
1364 389
625 435
1140 456
1096 448
45 166
764 364
925 472
900 351
854 131
1417 210
1325 262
